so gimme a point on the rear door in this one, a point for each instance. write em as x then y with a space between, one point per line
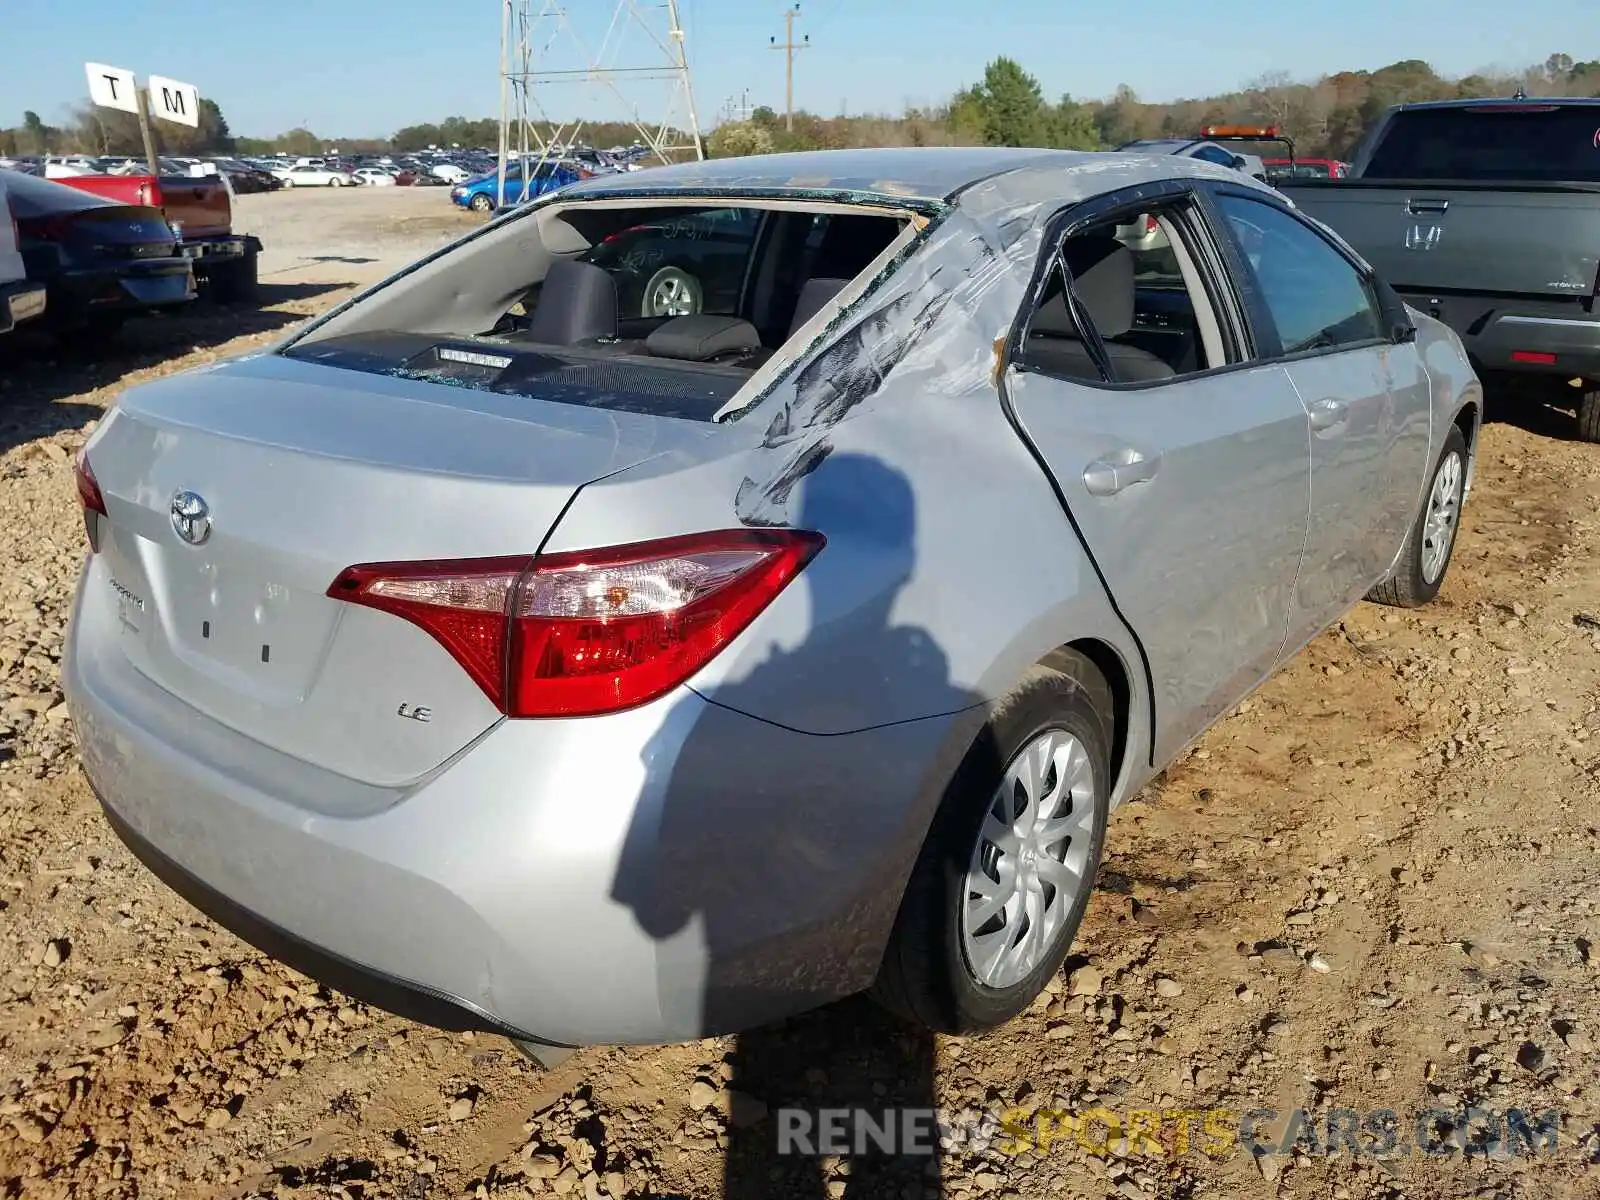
1189 485
1368 398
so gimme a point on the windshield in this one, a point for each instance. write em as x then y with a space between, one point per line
1514 141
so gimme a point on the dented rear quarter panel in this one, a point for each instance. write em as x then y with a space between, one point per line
890 436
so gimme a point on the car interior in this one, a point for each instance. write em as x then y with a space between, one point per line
790 264
1146 302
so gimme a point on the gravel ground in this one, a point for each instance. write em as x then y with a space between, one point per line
360 234
1373 886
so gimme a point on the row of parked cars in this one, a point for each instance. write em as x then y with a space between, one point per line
81 254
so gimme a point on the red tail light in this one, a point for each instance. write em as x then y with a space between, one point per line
1150 223
578 634
47 229
89 497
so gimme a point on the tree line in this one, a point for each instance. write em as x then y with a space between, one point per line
1326 117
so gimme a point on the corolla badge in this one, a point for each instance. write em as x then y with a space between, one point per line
191 517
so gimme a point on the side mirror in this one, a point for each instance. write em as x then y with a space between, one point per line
1403 331
1239 163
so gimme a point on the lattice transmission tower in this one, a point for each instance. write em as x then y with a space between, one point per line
567 65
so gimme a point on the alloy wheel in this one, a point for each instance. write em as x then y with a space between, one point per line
1031 861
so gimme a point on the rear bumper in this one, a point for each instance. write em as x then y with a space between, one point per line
1529 336
204 253
21 301
125 287
660 875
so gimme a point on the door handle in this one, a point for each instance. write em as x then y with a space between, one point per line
1329 414
1121 469
1421 207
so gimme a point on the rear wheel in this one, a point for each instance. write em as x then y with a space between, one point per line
671 292
335 182
1425 557
1589 416
1008 868
235 282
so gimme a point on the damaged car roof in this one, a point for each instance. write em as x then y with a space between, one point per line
928 173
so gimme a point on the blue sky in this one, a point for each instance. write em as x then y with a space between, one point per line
366 67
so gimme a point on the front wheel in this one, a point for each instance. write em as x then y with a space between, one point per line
1431 541
481 203
1007 870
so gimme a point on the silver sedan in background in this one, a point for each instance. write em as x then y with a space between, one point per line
523 664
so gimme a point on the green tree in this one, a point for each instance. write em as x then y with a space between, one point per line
35 134
1008 106
300 141
733 139
214 127
1074 126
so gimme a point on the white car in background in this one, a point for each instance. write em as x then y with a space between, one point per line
69 166
310 175
19 300
375 176
1145 234
449 172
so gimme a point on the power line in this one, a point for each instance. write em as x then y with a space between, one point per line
828 14
790 48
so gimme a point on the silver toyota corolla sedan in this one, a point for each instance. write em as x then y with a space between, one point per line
521 663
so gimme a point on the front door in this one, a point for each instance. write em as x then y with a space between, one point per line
1367 397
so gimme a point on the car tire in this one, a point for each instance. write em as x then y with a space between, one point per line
236 282
481 203
672 288
288 183
1589 416
1423 563
336 182
928 974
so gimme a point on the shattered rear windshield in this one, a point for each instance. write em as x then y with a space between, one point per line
667 310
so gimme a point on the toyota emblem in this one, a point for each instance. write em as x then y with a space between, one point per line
191 517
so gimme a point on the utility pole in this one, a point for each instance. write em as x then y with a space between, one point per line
546 43
790 48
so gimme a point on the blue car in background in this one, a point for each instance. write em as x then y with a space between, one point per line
482 192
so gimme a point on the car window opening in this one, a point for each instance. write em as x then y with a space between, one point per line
666 309
1137 286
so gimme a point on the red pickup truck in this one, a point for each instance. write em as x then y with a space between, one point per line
201 210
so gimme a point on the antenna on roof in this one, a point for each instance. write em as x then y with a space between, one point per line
1521 93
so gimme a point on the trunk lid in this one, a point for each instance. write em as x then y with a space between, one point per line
1535 240
113 231
304 470
201 207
